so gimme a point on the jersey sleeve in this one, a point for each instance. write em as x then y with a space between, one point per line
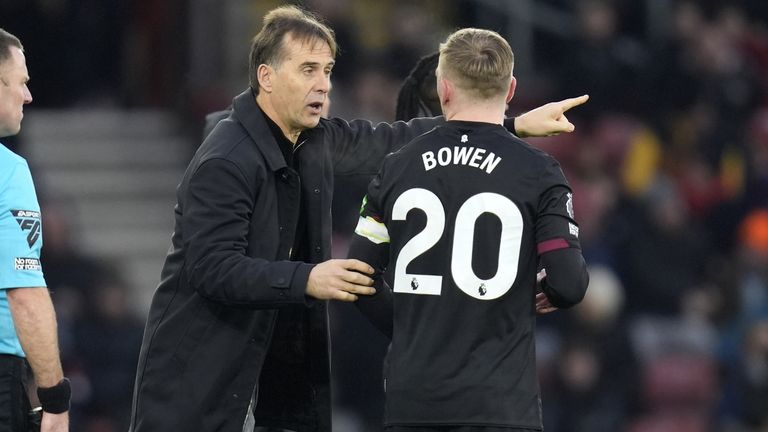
556 227
371 224
20 230
370 244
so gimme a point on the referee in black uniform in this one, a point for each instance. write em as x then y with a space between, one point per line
458 222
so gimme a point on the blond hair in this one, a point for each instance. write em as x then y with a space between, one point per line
267 45
478 61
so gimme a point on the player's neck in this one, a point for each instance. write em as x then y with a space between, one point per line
477 114
469 109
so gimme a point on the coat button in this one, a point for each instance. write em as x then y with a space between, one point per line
317 190
317 249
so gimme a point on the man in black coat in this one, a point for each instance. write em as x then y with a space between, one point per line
237 333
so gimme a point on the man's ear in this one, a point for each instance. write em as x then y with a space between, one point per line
446 90
511 92
265 73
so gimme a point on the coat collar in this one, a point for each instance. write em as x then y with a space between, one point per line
245 110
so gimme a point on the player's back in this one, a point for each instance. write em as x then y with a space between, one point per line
461 205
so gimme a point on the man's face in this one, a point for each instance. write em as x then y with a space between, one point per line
14 93
300 84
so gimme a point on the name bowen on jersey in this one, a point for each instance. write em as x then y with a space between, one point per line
458 155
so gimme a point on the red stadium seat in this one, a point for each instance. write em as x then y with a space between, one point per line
680 381
668 422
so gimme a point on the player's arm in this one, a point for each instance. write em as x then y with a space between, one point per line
565 280
370 244
377 308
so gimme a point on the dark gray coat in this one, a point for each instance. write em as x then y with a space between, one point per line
229 284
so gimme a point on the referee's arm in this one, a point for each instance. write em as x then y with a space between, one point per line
35 322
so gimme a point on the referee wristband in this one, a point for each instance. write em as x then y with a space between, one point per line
55 400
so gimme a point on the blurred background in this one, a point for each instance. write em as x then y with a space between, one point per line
669 165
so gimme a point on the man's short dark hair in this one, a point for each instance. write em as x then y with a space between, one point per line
7 41
267 45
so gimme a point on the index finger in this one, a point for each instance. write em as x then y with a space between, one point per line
569 103
357 265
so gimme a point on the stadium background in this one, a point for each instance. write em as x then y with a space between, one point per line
669 165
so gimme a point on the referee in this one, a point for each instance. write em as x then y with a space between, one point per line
27 319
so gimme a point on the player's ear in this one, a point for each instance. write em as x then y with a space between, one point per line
445 90
265 74
511 92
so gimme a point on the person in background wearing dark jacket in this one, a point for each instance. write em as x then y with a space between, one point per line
237 333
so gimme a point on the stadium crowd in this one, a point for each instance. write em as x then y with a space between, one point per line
669 166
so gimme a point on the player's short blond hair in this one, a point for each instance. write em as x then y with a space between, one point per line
478 62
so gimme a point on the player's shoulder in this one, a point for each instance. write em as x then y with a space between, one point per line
530 154
415 146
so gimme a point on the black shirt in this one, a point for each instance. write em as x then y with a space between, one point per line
299 251
463 213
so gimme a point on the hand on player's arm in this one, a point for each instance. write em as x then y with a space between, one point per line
548 119
543 306
340 279
55 422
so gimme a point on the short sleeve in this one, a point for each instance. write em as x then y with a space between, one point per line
20 230
556 227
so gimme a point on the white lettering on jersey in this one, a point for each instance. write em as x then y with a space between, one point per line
429 160
444 156
472 156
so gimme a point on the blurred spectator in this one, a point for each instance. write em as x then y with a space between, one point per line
604 63
108 341
596 369
664 253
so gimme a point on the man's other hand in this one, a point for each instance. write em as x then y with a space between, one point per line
340 279
55 422
543 306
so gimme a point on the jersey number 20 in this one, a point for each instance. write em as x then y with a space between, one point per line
463 241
